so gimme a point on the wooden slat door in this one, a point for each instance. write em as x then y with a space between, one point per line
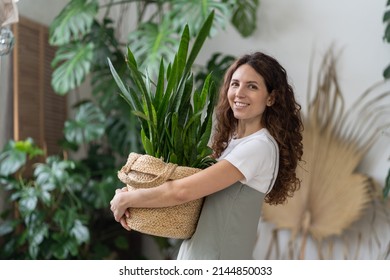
39 113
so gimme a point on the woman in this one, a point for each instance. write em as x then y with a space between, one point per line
257 143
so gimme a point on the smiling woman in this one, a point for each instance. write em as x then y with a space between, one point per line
257 105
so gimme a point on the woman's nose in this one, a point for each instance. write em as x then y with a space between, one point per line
240 92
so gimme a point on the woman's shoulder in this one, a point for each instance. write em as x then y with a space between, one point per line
258 142
262 135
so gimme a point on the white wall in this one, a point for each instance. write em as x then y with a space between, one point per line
41 11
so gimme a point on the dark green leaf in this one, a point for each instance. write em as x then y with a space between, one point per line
199 41
183 50
161 105
386 17
133 102
387 34
122 243
386 189
386 72
173 119
244 17
148 146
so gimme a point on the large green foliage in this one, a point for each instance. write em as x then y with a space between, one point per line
57 209
85 34
49 223
156 34
175 118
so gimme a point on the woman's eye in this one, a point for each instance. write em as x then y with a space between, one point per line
252 86
234 84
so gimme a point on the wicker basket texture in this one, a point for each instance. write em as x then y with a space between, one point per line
145 171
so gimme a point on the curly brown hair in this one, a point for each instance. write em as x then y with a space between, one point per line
282 119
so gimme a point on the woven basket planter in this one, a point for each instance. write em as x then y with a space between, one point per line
144 171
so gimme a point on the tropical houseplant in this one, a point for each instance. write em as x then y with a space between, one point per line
56 206
175 118
176 124
85 33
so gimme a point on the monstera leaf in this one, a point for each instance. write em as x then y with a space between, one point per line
87 126
244 17
74 63
153 41
73 22
194 13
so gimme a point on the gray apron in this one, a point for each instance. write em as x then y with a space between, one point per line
227 227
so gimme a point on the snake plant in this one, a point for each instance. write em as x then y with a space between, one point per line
175 116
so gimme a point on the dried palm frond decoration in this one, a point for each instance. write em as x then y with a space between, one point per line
333 195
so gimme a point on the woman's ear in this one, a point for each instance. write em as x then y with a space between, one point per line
271 99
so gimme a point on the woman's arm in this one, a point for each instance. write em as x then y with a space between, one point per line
210 180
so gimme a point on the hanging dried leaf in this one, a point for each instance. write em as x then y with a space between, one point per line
333 195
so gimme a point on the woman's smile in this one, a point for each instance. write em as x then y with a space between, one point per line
240 104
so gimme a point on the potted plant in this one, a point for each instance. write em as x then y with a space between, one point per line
176 122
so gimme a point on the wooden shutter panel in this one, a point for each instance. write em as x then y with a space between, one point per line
39 113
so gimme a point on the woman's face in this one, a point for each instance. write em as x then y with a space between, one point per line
248 95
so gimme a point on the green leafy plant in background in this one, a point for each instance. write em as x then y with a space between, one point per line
48 222
386 36
58 207
70 218
175 118
87 32
85 38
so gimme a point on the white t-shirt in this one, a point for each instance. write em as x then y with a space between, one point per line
256 156
227 227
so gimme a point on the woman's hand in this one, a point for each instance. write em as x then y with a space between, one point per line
118 208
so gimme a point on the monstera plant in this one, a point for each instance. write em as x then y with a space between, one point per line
85 33
85 38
